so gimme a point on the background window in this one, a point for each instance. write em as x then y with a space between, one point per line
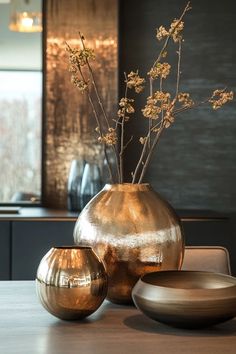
20 135
20 103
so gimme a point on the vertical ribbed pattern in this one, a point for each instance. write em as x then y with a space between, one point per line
69 129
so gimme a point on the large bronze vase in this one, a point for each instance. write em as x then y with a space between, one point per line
134 231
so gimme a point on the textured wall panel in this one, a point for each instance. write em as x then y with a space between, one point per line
69 123
194 166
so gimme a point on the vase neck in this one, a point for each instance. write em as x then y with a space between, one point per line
128 187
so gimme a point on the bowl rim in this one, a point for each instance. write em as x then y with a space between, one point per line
232 281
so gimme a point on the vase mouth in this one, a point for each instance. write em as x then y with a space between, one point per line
127 187
74 247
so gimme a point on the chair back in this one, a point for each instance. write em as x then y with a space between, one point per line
207 258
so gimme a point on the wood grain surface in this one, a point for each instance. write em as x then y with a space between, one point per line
26 328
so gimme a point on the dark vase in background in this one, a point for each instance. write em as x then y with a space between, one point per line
91 183
74 184
105 174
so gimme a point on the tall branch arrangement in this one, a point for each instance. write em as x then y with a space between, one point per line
161 107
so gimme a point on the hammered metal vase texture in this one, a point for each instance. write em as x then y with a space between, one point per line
134 231
71 282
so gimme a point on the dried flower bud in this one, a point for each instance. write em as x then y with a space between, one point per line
135 81
175 30
124 101
120 113
79 58
161 70
168 119
185 99
85 55
164 54
129 108
80 84
161 33
151 110
220 97
72 69
126 107
142 140
110 138
155 130
162 96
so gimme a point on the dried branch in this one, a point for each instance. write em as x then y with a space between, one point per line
122 134
160 108
102 109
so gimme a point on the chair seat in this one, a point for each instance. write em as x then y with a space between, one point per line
204 258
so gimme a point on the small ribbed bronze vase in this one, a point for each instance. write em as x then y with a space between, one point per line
71 282
134 231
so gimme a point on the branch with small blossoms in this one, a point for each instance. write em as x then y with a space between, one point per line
174 32
166 111
82 58
161 107
218 99
94 82
111 131
77 60
122 116
82 84
162 71
126 108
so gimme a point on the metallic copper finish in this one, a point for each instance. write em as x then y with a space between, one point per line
134 231
71 282
69 125
187 299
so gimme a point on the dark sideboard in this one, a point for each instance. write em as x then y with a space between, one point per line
27 236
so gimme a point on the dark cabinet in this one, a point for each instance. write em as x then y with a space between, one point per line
5 253
24 241
206 232
30 242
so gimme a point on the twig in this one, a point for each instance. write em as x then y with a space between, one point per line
100 129
148 137
178 68
155 141
100 103
94 84
187 7
108 164
140 161
157 137
122 135
129 141
183 109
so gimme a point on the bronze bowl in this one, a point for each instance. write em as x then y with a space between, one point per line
186 299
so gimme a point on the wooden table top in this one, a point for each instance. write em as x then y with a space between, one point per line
26 328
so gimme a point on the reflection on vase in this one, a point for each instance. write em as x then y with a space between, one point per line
91 183
74 184
71 282
134 231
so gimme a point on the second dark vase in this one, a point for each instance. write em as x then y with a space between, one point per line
74 184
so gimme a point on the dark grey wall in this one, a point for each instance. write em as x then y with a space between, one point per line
195 164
